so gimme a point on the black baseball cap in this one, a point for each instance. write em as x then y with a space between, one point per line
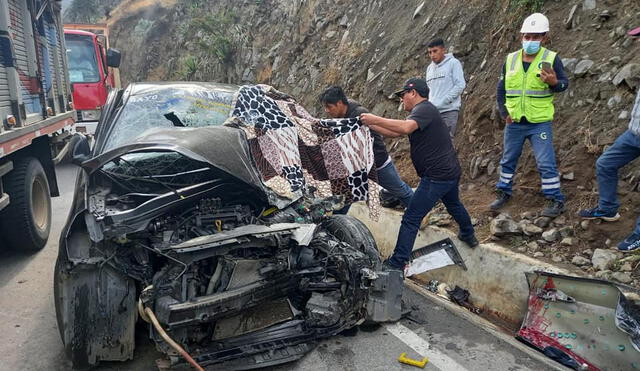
414 83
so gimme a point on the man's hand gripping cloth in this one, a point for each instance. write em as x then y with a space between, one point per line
293 150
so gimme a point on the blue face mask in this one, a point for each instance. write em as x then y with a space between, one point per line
531 47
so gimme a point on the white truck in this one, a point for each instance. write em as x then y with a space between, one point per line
36 117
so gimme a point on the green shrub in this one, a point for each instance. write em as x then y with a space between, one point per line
215 33
533 5
189 68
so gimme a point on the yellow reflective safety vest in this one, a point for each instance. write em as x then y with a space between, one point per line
527 95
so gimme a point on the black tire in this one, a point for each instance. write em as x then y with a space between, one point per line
352 231
26 222
58 272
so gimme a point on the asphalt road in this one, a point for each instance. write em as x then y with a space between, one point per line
30 339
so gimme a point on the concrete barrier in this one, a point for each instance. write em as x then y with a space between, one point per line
494 276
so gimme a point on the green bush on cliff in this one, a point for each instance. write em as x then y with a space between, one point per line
533 5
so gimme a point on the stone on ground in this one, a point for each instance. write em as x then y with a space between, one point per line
504 225
580 261
602 258
621 277
551 235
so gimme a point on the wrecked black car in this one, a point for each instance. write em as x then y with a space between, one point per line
171 224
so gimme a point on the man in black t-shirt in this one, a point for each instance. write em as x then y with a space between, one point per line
435 161
337 105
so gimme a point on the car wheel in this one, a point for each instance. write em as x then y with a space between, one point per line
352 231
25 224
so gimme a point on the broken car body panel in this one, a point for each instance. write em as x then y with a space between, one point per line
585 324
176 219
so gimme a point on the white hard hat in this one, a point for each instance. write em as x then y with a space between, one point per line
535 23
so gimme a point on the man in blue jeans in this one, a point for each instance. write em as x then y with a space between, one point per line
625 149
530 78
435 161
337 105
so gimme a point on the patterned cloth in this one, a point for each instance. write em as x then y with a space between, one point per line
294 151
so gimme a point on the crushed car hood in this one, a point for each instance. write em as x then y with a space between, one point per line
223 147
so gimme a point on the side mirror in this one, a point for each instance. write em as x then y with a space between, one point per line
81 150
113 58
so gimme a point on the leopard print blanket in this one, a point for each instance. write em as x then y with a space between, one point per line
293 150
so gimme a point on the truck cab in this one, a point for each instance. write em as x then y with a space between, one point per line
91 71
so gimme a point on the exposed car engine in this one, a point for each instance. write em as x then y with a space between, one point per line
225 277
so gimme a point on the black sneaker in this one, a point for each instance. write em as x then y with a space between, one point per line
387 266
388 200
554 209
502 199
472 241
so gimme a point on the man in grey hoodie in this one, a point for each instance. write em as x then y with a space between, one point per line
445 79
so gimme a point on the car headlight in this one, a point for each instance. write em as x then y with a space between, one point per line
91 115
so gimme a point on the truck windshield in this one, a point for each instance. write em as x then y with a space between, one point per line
145 110
81 54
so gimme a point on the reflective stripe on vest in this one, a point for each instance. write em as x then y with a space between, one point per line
527 95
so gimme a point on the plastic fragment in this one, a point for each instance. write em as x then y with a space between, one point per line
412 362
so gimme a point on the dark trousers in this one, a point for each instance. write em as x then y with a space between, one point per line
424 199
625 149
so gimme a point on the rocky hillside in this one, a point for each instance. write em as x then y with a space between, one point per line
370 46
87 11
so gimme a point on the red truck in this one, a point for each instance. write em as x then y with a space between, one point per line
36 116
92 70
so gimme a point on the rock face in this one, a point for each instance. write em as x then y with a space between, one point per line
602 258
504 225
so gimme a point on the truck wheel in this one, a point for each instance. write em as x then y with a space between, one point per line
352 231
25 224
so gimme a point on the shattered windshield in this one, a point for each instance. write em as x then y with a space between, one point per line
167 107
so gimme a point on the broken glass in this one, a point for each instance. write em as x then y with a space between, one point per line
145 111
